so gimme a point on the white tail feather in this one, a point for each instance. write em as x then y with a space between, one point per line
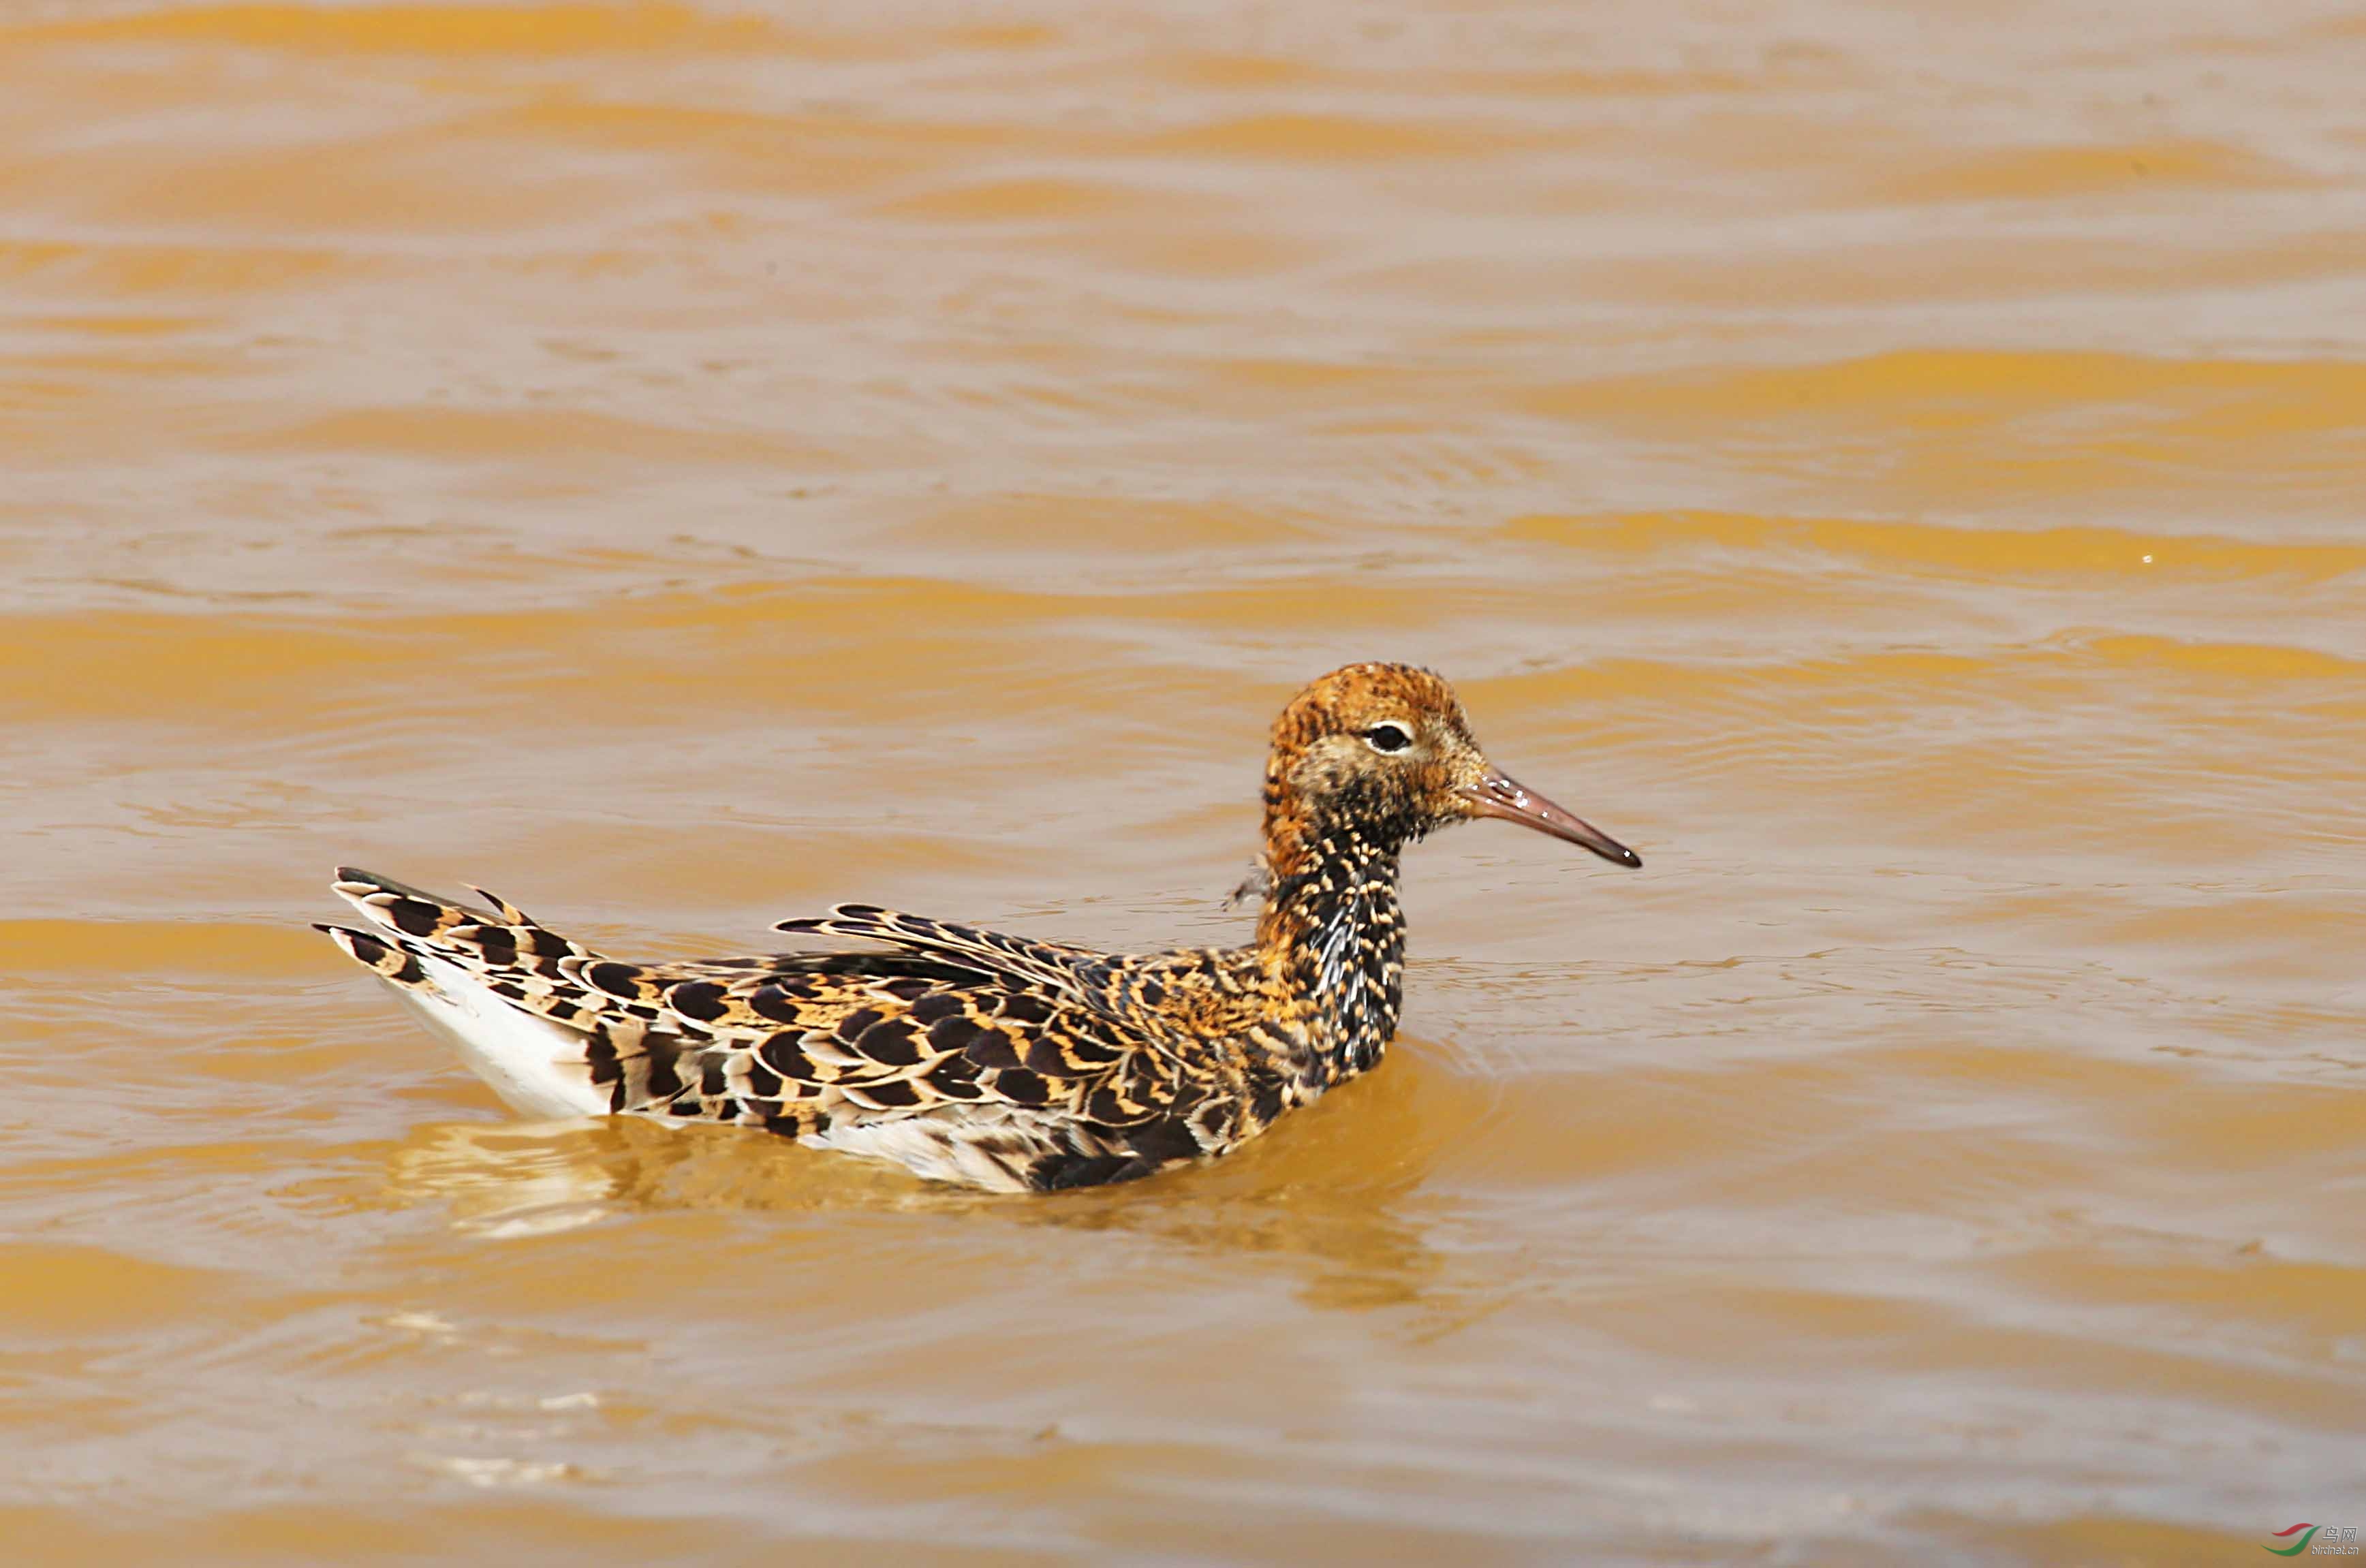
538 1067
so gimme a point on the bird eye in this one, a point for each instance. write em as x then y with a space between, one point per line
1387 738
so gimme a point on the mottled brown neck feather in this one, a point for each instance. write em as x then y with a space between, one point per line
1330 935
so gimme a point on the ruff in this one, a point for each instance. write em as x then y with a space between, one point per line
976 1057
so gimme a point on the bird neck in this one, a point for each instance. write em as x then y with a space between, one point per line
1332 936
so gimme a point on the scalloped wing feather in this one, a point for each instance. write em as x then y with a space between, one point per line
965 1055
1050 963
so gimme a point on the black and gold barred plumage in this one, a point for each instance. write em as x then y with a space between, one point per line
973 1056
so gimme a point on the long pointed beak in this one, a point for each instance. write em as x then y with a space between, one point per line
1496 796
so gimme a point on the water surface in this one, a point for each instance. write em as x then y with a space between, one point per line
682 466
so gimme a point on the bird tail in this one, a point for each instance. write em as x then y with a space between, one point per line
498 986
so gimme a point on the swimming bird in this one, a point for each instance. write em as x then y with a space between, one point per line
974 1057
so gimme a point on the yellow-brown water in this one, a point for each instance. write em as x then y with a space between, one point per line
1901 469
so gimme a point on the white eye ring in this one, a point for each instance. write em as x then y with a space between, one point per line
1388 737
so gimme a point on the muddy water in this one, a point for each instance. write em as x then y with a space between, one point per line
680 466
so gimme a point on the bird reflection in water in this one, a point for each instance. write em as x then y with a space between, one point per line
1336 1197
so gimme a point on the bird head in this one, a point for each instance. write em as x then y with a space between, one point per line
1384 751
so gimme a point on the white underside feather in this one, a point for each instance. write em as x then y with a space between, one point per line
535 1066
